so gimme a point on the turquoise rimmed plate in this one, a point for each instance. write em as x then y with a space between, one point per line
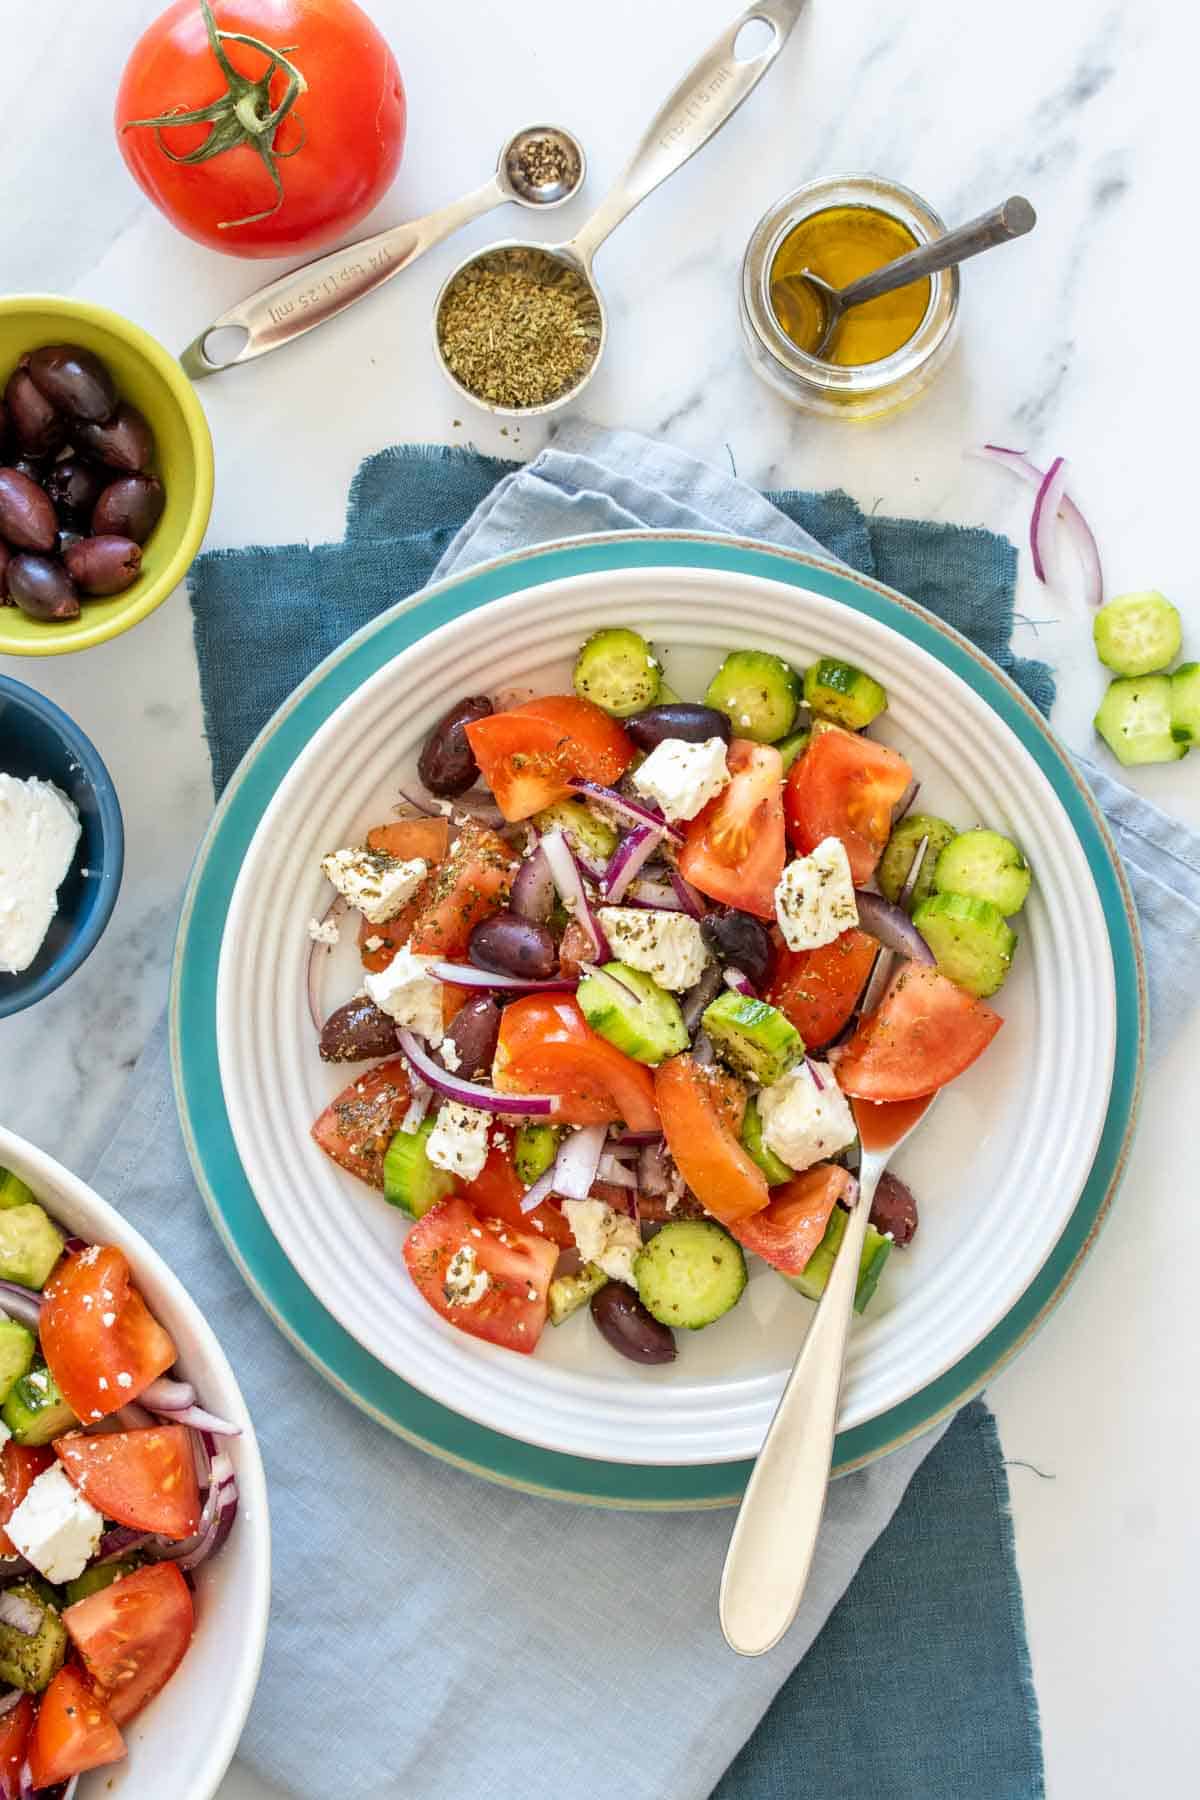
979 745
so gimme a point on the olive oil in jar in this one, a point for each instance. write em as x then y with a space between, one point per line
840 243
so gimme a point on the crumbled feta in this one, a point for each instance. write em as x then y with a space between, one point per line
814 901
666 945
450 1056
605 1237
408 993
55 1528
466 1283
803 1123
459 1140
374 882
323 931
683 777
39 831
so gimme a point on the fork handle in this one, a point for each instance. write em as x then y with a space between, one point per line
1000 226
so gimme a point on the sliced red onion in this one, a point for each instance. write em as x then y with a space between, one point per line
9 1700
74 1245
620 989
702 1050
418 1106
615 1172
816 1074
335 910
904 898
470 1093
131 1417
467 975
1045 517
733 978
881 968
634 812
691 901
654 1166
698 997
627 1153
631 854
905 802
1080 532
176 1400
572 893
541 1190
23 1614
199 1550
637 1138
577 1161
12 1568
892 926
21 1303
533 893
120 1541
419 806
655 896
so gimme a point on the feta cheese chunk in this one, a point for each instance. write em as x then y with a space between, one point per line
39 831
814 901
466 1283
408 993
683 777
605 1237
55 1528
374 882
803 1123
459 1140
665 945
324 931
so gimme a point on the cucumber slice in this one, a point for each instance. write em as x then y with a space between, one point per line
32 1660
814 1277
1185 703
628 1007
535 1149
772 1166
753 1037
985 866
666 695
1136 634
410 1180
567 1293
35 1411
1135 721
794 746
587 834
98 1577
838 691
17 1345
30 1244
615 670
759 692
690 1274
971 940
13 1191
897 859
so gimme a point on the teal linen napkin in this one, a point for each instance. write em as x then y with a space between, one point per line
433 1637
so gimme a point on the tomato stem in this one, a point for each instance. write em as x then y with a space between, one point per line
243 115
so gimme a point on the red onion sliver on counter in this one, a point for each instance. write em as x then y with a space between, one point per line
1045 518
634 812
577 1161
467 975
690 900
572 892
470 1093
533 892
21 1304
635 849
733 978
1078 529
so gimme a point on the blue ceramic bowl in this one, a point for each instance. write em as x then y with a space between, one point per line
37 738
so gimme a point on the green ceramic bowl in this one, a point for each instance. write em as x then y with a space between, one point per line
152 379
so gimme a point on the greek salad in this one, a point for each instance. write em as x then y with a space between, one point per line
624 1011
113 1489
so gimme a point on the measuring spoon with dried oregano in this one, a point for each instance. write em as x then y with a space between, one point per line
520 327
542 166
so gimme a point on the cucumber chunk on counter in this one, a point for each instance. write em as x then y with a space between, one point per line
17 1345
35 1411
1135 719
902 846
970 939
759 692
1137 634
838 691
30 1244
615 670
587 834
535 1149
628 1007
753 1037
772 1166
32 1660
1185 703
814 1277
690 1274
567 1293
985 866
410 1180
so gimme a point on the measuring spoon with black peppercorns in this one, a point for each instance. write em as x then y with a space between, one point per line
541 166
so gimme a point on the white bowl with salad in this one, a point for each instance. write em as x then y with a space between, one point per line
576 906
134 1532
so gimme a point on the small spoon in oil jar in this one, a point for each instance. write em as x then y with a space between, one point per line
1000 226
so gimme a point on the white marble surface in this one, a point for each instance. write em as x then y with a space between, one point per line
1089 110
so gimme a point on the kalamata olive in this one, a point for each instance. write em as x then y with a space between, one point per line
106 565
35 468
42 588
447 766
74 486
473 1032
677 719
626 1325
39 429
5 559
3 427
125 441
130 507
27 518
509 945
356 1032
894 1209
73 380
736 938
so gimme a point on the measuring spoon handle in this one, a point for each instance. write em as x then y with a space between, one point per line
694 112
305 297
1000 226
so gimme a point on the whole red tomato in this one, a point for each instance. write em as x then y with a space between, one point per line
269 147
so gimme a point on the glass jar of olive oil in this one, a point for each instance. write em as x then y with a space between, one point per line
884 352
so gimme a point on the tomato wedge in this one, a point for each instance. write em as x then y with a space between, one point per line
793 1222
74 1731
144 1478
735 848
702 1112
845 786
405 838
529 755
470 885
924 1032
99 1338
519 1265
133 1636
20 1466
410 838
15 1728
356 1128
546 1046
498 1192
817 989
